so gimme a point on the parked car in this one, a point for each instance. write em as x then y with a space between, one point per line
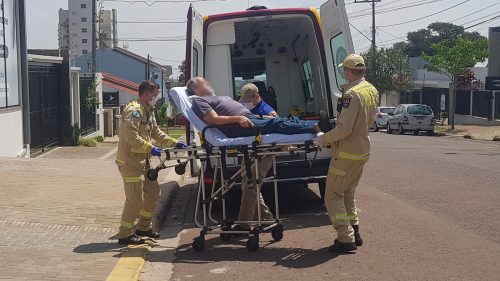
381 117
411 117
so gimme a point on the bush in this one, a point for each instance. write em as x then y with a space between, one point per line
99 138
161 114
87 142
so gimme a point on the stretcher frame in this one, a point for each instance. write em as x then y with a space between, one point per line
250 155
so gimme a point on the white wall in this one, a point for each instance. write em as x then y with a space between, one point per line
99 111
11 122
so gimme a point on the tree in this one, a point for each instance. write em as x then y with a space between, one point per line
421 41
453 58
388 70
182 76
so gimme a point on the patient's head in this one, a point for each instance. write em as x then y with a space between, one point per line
199 86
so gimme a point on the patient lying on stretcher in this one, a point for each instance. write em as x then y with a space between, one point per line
235 120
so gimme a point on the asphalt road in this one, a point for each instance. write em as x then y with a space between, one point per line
429 208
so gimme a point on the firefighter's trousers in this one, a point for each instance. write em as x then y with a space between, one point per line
342 180
248 207
142 196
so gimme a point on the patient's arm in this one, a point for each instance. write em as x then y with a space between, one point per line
213 118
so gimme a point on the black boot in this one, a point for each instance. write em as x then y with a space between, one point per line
131 240
340 247
357 235
147 233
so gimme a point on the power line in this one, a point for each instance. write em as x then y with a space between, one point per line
492 14
151 3
360 32
433 14
383 4
466 16
483 22
397 8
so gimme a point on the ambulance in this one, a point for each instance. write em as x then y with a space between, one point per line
290 54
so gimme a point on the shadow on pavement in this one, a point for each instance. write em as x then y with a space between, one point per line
286 257
92 248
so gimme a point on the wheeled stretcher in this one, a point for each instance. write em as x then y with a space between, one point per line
213 154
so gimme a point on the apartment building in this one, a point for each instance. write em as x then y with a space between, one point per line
75 28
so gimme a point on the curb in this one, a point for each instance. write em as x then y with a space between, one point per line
131 262
168 191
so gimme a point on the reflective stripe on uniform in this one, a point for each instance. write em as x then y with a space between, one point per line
132 179
119 162
336 172
353 217
127 224
357 157
144 148
145 214
340 217
368 92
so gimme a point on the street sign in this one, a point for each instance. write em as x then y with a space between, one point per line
110 99
493 83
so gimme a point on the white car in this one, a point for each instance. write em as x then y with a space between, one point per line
411 117
381 117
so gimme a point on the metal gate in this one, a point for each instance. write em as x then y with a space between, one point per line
481 106
432 97
45 105
497 105
87 116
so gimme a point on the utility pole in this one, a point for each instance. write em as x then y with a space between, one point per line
148 76
374 30
94 37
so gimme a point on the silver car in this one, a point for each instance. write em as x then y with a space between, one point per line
411 117
381 117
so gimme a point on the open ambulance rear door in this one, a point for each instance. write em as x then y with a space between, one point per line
338 41
194 67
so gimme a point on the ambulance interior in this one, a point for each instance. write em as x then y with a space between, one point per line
279 54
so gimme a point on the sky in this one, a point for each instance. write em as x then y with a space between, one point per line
42 20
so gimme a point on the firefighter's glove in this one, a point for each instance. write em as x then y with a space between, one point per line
180 145
156 151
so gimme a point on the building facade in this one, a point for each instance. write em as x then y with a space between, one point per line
14 100
75 28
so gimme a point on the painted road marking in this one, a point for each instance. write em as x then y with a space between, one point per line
130 264
109 154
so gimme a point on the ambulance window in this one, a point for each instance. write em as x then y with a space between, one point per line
195 63
306 66
339 53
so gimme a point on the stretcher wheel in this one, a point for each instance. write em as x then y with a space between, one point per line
152 174
180 169
277 233
198 244
253 243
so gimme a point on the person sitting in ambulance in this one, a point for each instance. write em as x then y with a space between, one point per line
252 100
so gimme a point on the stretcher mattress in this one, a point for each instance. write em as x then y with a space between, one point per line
216 138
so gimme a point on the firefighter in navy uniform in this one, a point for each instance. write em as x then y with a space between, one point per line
351 149
137 130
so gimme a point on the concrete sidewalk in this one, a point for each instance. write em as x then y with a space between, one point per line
59 215
474 131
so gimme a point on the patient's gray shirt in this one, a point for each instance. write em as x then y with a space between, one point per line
223 106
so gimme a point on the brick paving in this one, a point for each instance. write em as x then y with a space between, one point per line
59 215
